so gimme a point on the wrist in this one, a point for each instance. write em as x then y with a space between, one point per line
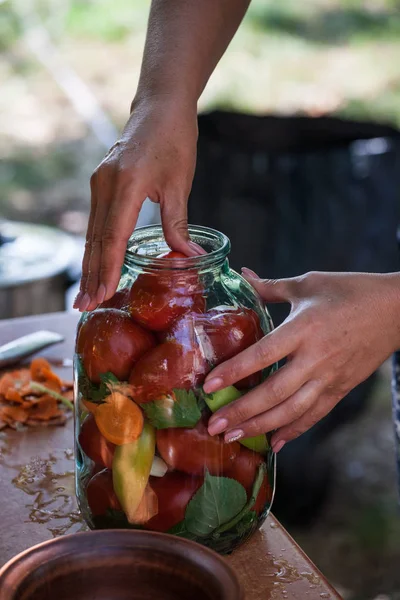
171 99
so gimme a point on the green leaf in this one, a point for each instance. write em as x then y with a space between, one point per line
202 404
226 542
90 391
180 530
262 471
247 522
217 501
178 410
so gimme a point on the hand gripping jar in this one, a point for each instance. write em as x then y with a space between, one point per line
144 458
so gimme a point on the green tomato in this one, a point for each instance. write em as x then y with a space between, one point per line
225 396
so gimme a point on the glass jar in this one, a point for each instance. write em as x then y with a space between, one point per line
144 458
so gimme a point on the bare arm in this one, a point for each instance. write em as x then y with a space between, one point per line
156 154
185 41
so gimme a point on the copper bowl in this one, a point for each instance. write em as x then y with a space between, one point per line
118 565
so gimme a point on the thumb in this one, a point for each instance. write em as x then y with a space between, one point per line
175 227
270 290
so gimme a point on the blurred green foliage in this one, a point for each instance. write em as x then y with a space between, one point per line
107 21
346 21
313 56
9 26
271 31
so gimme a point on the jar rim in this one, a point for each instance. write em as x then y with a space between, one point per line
216 243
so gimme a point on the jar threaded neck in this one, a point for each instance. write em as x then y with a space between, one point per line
147 243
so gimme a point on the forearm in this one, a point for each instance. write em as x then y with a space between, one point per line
185 40
391 302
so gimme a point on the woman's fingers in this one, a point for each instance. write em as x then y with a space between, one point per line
271 290
154 156
294 429
275 390
103 181
121 220
173 209
82 300
270 349
279 415
104 200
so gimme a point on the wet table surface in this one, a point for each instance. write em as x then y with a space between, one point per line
37 500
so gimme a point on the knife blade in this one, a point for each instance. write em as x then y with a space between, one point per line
12 352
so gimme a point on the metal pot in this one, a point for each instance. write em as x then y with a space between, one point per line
37 265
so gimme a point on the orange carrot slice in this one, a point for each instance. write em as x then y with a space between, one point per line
51 384
13 395
38 365
45 408
31 396
51 378
61 420
69 394
119 419
90 406
16 413
42 373
14 379
67 385
6 382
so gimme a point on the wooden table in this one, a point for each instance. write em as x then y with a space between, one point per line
37 500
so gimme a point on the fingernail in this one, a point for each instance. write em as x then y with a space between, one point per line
78 299
217 426
196 248
249 273
213 384
101 293
232 436
278 446
84 302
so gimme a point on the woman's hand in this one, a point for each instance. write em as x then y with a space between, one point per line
341 328
154 158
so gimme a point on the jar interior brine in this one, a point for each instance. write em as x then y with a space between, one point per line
144 457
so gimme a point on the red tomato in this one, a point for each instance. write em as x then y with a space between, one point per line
120 300
194 450
244 469
157 300
94 445
187 331
100 493
167 366
229 331
174 492
109 340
